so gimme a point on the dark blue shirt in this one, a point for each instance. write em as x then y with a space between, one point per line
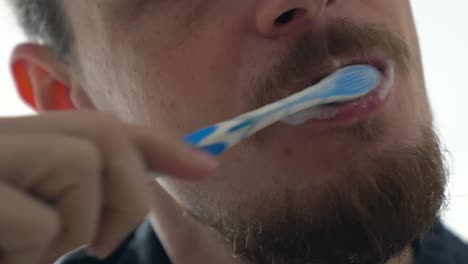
438 246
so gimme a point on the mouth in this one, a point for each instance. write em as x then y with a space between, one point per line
349 112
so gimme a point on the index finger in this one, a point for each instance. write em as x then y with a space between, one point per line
171 157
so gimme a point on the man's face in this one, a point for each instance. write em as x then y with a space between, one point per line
351 190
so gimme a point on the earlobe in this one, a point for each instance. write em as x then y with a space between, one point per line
39 80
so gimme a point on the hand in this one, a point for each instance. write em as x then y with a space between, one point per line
76 178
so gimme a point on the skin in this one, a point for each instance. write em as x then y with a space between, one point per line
177 66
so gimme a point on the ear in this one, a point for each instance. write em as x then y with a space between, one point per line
41 78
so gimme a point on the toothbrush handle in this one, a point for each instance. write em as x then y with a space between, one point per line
217 138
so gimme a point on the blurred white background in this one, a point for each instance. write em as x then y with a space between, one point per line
443 30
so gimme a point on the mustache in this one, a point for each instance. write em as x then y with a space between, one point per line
315 51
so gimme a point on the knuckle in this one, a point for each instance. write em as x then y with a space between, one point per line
78 154
148 139
46 231
76 239
111 128
107 121
51 228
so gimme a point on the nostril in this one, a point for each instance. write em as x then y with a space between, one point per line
278 20
286 17
289 16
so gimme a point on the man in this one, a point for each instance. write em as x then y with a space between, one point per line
363 183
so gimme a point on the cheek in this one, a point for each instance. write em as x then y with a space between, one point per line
182 91
194 86
189 102
411 114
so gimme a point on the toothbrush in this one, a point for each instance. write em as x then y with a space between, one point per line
343 85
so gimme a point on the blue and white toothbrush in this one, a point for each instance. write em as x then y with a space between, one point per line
343 85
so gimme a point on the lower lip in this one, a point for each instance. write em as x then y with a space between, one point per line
349 113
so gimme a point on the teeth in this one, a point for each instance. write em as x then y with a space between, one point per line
317 113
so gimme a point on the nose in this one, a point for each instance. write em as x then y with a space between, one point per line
278 17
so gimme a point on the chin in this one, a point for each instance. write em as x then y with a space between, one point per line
358 212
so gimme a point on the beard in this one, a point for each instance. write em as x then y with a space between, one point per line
369 217
377 206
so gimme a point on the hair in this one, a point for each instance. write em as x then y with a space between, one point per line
43 21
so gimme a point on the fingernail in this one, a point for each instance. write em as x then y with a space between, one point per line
200 158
